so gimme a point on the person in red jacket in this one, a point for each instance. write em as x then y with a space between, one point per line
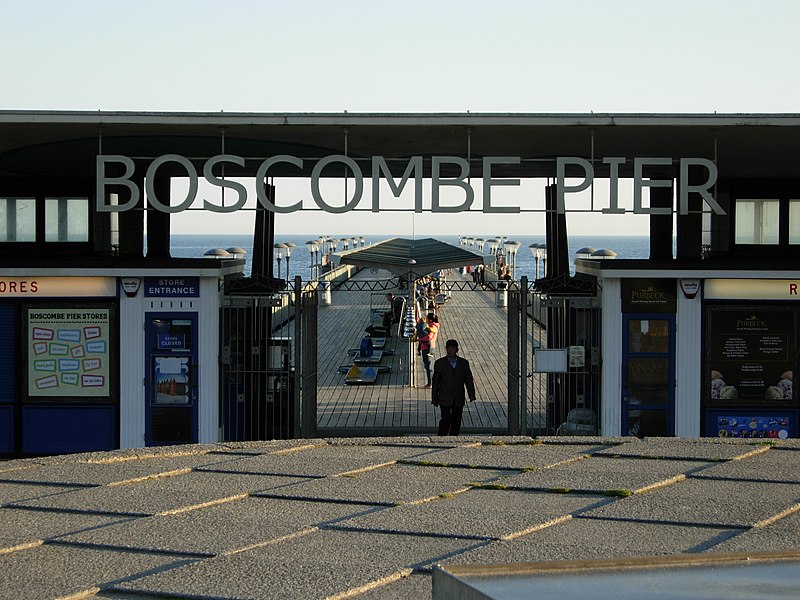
451 375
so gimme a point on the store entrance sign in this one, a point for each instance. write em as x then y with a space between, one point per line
172 287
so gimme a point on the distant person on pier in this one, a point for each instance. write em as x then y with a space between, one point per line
427 331
451 375
395 312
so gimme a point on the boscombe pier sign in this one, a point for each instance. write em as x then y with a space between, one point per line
413 171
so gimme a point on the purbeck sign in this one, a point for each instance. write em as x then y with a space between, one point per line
413 170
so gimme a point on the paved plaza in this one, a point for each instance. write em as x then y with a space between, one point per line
368 518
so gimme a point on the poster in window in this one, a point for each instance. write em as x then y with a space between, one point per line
751 357
171 380
68 352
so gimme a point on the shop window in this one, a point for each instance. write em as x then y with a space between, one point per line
66 220
17 220
757 222
794 221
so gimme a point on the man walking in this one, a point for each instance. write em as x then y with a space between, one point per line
451 374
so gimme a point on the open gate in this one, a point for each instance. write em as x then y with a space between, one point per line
554 340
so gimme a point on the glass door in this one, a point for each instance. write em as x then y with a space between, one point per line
648 375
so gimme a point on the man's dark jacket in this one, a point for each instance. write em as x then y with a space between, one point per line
447 388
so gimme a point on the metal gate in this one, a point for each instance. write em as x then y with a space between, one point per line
268 365
554 340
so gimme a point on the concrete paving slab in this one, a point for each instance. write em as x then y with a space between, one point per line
585 539
431 440
602 474
507 456
17 464
317 565
481 513
154 496
20 526
585 439
319 461
783 534
22 492
695 501
220 528
417 586
55 571
264 447
130 453
777 464
701 449
388 485
103 473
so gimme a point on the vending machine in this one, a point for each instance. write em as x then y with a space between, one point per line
172 379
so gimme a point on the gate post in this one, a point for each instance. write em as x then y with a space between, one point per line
513 364
298 356
523 384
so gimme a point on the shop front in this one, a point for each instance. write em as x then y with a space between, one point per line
60 368
750 358
92 363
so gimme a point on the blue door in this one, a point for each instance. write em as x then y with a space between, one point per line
648 374
171 396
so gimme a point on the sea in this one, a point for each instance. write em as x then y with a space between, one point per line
299 263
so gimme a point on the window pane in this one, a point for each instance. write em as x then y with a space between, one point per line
66 219
794 221
17 220
648 335
648 381
757 221
644 423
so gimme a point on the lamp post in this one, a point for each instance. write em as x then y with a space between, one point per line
279 247
313 247
534 248
539 252
289 247
511 250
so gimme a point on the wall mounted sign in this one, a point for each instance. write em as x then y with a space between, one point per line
68 352
649 295
57 287
172 287
751 289
751 355
413 170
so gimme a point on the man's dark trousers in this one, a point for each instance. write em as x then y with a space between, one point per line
451 420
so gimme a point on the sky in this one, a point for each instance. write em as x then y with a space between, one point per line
561 56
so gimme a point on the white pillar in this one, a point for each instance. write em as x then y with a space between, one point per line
611 373
688 364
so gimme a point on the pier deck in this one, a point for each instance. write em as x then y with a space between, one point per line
397 403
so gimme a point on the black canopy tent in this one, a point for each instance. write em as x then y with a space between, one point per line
411 258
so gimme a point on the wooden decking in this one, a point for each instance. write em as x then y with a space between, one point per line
398 402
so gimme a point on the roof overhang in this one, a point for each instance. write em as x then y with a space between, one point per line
742 145
411 258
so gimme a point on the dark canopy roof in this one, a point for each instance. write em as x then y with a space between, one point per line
411 257
66 143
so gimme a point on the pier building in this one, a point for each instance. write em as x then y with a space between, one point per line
107 341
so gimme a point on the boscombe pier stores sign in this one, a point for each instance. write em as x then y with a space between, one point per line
413 171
